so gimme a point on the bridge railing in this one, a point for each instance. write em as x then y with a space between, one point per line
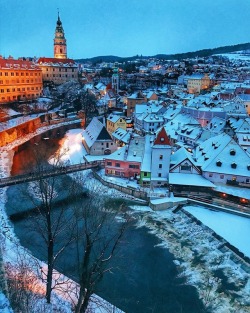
53 171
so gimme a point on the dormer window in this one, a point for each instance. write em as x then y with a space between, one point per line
219 163
162 139
233 165
232 152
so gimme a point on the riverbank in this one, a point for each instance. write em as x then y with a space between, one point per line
13 253
222 282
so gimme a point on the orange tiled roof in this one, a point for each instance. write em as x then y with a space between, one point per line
17 64
55 60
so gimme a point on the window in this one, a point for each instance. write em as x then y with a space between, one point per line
221 176
161 157
160 165
210 175
109 163
145 174
159 174
117 164
6 74
186 168
133 166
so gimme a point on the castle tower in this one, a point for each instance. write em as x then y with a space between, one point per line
60 45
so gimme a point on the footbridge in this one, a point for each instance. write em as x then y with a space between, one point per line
53 171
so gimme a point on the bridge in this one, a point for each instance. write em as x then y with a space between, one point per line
51 172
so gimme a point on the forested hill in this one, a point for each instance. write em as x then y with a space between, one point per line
178 56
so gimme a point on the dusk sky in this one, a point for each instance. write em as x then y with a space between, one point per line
121 27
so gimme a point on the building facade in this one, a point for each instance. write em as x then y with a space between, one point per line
58 71
19 80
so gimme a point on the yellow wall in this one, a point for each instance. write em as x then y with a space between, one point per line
58 74
20 84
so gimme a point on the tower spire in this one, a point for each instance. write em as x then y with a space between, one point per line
60 46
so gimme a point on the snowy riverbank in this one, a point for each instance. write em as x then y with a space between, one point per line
14 253
222 283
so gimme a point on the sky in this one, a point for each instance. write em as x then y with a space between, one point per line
121 27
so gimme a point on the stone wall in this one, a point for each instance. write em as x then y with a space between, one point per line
127 190
9 135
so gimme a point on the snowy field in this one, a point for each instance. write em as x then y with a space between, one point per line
236 56
235 229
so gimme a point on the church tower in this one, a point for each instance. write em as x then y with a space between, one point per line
60 45
115 80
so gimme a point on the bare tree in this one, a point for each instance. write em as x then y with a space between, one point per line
86 101
50 220
99 234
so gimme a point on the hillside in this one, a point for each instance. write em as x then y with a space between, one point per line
178 56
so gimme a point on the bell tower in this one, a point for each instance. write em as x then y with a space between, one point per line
60 45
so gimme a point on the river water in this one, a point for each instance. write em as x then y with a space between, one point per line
145 277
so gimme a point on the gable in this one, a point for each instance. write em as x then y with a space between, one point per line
162 138
185 166
103 135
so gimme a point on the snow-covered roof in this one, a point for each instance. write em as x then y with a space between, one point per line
95 131
189 179
114 118
180 155
221 154
121 134
216 125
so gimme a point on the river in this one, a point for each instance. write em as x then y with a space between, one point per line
145 278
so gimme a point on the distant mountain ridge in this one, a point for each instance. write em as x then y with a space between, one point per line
177 56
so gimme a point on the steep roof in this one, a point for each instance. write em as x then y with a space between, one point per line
222 154
162 138
95 131
181 155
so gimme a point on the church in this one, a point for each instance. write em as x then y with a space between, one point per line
59 69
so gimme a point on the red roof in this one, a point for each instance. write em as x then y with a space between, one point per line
55 60
17 64
162 138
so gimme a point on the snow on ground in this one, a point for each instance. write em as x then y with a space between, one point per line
235 229
4 304
237 56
